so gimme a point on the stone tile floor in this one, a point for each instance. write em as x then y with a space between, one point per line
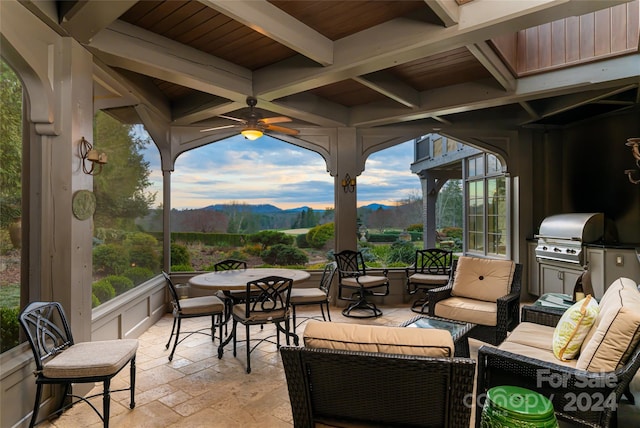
197 389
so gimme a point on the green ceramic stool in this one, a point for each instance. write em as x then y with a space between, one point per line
512 406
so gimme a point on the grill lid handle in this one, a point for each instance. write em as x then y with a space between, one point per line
574 238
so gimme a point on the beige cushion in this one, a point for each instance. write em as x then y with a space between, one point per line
533 335
429 279
482 279
101 358
373 338
616 331
307 295
573 327
365 281
537 353
239 312
468 310
199 305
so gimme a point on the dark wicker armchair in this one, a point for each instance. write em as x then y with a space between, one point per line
365 389
579 397
508 308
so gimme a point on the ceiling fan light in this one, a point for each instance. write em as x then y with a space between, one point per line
251 133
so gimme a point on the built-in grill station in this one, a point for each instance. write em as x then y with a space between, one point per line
561 251
562 236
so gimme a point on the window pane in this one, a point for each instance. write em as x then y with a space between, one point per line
10 206
128 230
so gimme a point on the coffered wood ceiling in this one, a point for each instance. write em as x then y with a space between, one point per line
356 63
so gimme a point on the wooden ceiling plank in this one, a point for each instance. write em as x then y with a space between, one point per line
447 11
129 47
87 18
403 40
390 86
494 64
272 22
476 96
190 111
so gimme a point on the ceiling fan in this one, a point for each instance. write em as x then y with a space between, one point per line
254 125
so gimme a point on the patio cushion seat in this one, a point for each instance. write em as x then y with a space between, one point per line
375 338
201 304
257 315
425 278
86 359
311 295
365 281
469 310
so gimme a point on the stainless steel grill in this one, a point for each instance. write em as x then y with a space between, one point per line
562 236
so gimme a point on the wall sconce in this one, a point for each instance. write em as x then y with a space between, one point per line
634 143
88 153
348 184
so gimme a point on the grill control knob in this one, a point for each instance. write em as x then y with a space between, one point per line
557 250
545 248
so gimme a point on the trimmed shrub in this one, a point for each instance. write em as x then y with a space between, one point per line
94 300
383 237
9 328
110 259
181 268
143 250
120 283
401 253
180 255
103 290
268 238
284 255
452 232
137 274
318 236
417 227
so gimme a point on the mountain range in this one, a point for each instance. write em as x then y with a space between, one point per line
272 209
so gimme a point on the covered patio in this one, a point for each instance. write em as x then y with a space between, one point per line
550 87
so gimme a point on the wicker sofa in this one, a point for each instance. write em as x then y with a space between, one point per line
375 376
584 390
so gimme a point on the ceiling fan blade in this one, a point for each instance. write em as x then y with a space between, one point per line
277 119
218 127
281 129
231 118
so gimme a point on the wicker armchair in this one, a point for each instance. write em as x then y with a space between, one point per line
508 308
365 389
579 397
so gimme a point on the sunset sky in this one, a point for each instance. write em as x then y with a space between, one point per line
270 171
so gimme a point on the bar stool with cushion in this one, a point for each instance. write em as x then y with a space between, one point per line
431 269
59 360
354 279
314 296
193 307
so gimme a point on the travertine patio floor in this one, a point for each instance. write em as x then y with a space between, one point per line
197 389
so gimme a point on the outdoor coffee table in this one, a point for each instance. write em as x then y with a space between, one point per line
458 329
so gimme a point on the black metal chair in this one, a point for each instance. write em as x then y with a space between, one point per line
193 307
315 296
233 296
271 306
432 268
59 360
353 278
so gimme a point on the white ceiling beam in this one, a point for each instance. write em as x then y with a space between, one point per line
530 110
272 22
446 10
494 64
132 48
191 110
309 108
390 86
475 95
403 40
85 19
